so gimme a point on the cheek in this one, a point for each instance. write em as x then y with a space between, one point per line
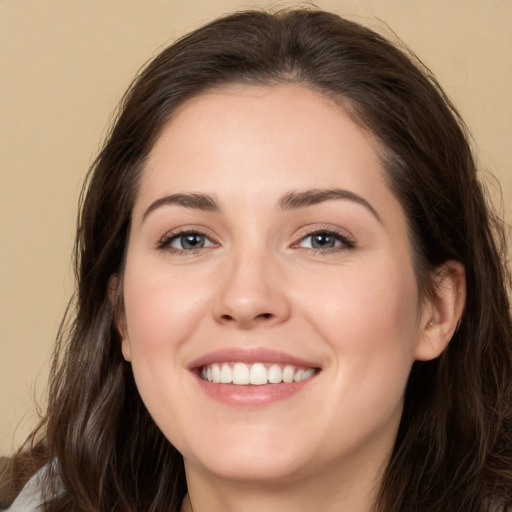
369 318
369 303
162 307
162 310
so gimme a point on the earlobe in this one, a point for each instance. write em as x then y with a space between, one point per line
123 333
126 350
114 295
443 310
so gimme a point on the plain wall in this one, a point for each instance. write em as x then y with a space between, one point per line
63 67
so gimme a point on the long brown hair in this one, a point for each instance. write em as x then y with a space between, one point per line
454 447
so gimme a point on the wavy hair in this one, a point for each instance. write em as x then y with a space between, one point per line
454 446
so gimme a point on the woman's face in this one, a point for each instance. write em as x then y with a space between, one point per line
266 248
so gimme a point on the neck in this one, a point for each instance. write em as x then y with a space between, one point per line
328 491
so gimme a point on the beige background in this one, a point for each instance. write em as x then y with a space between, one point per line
63 67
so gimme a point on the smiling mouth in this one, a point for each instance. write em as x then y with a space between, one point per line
255 374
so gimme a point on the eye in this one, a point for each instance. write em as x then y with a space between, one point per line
321 240
186 241
325 240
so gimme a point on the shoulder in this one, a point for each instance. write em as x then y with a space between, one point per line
31 496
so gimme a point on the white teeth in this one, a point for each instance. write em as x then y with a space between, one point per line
256 374
298 375
216 373
288 374
226 375
240 374
308 373
275 375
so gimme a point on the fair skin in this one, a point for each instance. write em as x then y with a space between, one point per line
296 255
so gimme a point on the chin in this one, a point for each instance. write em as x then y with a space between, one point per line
259 468
260 457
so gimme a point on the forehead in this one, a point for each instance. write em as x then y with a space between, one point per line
254 135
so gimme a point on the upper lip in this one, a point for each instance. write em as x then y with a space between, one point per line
250 355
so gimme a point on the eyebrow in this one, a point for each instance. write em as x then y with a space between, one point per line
203 202
290 201
301 199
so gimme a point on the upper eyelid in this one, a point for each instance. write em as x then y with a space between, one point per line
347 240
337 231
165 240
201 230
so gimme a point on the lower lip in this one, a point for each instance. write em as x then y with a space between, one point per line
251 396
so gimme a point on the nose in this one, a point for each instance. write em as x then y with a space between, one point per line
252 292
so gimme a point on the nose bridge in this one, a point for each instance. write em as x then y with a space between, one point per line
252 292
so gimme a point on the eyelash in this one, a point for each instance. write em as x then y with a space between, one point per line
168 239
345 241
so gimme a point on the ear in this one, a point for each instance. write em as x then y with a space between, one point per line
114 295
125 346
442 311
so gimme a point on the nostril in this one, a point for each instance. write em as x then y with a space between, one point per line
243 319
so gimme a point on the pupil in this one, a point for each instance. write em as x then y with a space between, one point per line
192 241
323 240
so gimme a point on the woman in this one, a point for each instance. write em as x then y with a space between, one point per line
291 292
